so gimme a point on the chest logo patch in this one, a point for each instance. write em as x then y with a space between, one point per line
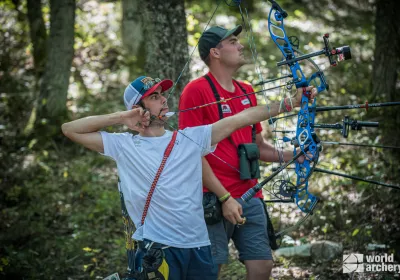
226 109
136 142
245 101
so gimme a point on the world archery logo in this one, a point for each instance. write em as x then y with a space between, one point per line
373 263
353 263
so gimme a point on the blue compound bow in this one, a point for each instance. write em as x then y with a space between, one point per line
306 141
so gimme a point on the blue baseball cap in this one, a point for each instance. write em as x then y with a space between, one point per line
142 87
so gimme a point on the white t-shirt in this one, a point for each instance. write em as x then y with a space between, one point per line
175 216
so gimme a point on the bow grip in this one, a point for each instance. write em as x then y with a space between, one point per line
318 80
251 193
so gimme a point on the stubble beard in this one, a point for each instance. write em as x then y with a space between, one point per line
158 123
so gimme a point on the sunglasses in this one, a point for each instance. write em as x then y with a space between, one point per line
149 84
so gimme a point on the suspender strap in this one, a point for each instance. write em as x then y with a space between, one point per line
253 128
216 95
160 169
218 98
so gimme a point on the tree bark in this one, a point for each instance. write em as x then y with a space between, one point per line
386 69
384 77
37 31
131 26
165 37
387 47
132 36
54 87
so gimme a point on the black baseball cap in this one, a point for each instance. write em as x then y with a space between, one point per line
212 36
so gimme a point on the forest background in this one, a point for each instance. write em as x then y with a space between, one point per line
65 59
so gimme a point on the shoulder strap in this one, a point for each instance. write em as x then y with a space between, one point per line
160 169
216 95
253 128
244 91
218 98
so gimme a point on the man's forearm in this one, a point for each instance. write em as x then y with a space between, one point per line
259 113
269 153
226 126
91 124
211 181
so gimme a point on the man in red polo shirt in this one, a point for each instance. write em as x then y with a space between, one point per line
221 51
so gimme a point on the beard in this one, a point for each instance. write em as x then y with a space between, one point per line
158 122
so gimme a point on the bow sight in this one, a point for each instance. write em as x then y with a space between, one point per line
348 123
341 53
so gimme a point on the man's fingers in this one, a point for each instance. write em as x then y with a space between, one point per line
231 219
238 217
146 121
145 117
242 222
138 110
139 127
314 93
310 91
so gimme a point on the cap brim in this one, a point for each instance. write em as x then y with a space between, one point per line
235 31
165 85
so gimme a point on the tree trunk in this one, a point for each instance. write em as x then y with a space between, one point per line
38 35
54 87
384 78
131 26
385 71
387 47
132 36
165 37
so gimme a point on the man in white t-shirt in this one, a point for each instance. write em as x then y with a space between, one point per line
173 216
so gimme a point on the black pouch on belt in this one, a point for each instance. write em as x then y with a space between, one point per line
212 208
248 159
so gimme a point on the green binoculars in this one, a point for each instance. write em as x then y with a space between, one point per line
249 155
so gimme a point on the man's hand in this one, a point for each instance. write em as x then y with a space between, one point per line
302 158
232 211
300 91
136 119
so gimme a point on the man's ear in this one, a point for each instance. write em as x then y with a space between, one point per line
139 105
214 52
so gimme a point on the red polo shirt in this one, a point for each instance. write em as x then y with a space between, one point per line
225 163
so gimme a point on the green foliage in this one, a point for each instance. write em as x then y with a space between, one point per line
233 270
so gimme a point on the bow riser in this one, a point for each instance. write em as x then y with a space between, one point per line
305 131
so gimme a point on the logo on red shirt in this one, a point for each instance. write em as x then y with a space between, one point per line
226 109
